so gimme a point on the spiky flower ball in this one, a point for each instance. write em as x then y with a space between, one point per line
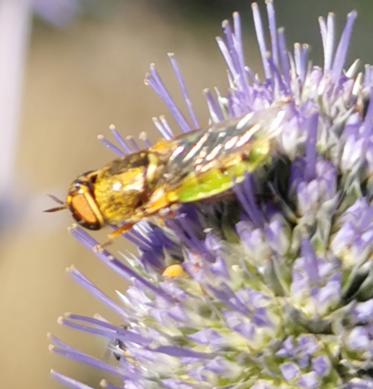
271 287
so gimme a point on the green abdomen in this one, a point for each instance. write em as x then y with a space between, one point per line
222 175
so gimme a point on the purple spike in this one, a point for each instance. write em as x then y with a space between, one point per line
162 130
91 321
166 125
341 53
184 90
77 356
304 59
245 195
155 242
229 41
69 382
234 59
227 56
99 294
57 342
124 270
137 240
118 137
327 30
329 42
114 263
133 145
284 56
240 54
301 60
82 326
110 146
214 107
278 80
323 32
273 31
261 39
156 83
143 137
187 236
100 328
141 239
133 337
150 259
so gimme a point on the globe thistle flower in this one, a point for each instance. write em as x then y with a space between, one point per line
271 287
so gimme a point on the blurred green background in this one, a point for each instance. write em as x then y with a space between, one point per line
79 78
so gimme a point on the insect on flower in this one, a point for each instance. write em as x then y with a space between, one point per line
272 289
198 165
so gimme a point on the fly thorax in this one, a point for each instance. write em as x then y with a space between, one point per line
121 189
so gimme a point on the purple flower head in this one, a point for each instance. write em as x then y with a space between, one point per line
271 285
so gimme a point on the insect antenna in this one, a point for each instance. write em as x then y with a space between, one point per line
62 205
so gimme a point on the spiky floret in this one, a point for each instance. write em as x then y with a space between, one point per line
271 288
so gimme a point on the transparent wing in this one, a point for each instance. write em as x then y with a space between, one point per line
206 150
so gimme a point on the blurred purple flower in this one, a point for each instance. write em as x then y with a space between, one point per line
274 290
57 12
15 29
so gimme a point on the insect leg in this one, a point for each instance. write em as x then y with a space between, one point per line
113 235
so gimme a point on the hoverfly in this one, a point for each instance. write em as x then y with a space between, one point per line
198 165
